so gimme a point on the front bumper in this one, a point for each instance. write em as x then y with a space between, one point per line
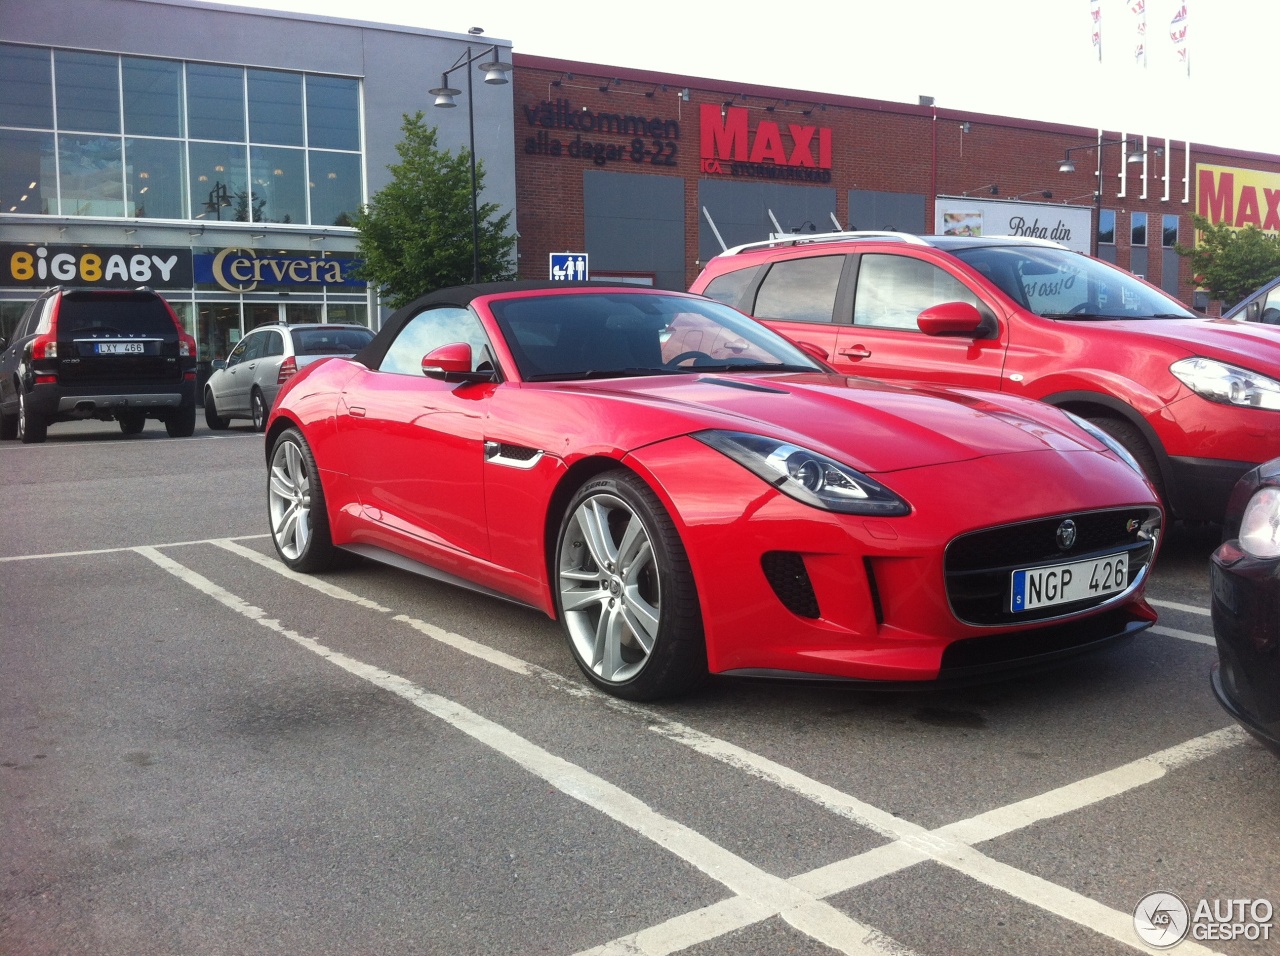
1246 626
788 590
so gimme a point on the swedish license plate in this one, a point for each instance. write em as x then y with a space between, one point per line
120 348
1066 583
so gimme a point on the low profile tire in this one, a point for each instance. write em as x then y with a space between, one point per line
258 411
181 422
211 417
625 594
1127 434
132 423
32 429
295 504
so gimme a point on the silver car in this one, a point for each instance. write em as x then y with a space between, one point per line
246 384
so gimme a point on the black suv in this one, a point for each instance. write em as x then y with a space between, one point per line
97 353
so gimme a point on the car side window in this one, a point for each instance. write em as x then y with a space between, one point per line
431 329
273 344
730 287
893 290
800 290
238 353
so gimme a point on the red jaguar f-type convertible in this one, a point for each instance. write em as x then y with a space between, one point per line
689 492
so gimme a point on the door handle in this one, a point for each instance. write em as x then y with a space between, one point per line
857 351
355 411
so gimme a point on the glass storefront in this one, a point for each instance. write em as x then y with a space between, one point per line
96 134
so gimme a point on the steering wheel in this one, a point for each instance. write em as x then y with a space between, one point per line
690 354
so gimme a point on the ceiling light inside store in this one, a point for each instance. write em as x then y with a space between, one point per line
333 176
31 185
278 172
144 175
203 179
219 169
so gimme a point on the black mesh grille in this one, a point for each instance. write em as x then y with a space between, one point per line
786 574
517 452
980 565
996 652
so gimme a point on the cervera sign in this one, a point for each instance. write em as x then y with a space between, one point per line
960 216
243 270
1238 197
108 267
731 146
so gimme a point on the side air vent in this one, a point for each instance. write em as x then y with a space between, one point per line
786 574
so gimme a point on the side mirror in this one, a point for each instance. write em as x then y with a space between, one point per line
219 364
955 318
817 351
452 363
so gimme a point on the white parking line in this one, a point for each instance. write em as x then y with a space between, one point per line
1182 635
171 544
1175 606
811 916
950 845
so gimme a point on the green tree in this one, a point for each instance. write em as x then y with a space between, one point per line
1231 263
415 234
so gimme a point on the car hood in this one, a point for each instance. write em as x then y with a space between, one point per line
1249 344
875 427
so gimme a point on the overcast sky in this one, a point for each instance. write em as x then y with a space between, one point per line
1033 59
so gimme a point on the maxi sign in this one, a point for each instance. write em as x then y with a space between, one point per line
243 270
961 216
106 267
1238 197
730 146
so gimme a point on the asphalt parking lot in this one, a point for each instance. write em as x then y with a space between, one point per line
204 753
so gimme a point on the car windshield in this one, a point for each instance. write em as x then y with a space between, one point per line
556 337
1060 284
332 341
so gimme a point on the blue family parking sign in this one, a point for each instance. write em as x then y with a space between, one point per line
569 266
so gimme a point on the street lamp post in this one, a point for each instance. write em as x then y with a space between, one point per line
495 75
1133 154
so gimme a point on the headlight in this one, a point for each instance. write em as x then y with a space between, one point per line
1110 441
1227 384
1260 526
806 475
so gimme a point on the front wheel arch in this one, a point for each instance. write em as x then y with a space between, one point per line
1093 406
623 588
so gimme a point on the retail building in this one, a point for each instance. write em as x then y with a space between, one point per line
214 153
218 154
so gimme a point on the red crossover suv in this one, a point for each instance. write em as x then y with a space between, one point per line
1195 400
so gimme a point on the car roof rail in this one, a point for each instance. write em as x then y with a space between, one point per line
847 236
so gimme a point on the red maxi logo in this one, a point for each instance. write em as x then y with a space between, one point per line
726 135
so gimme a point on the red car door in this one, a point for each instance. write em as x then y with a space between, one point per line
415 444
884 340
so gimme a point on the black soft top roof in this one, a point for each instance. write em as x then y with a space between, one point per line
461 296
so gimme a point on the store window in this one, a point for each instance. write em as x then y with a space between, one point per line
1138 229
88 91
146 138
336 189
215 102
155 186
219 182
26 78
275 107
1106 227
152 97
91 170
28 183
333 113
279 184
1169 237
